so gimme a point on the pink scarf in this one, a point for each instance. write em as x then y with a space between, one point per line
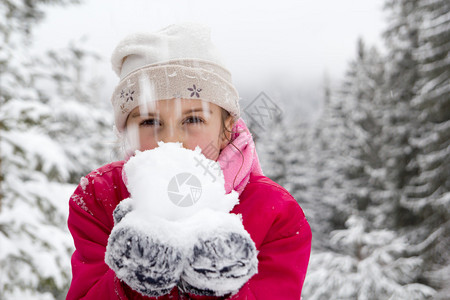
236 167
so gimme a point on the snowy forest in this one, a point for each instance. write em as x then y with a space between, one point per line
372 172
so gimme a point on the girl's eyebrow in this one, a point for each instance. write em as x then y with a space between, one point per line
138 114
191 110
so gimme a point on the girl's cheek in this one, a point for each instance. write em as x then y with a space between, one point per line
207 139
147 145
209 148
147 139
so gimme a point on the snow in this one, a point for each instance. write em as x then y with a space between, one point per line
36 233
80 202
40 148
83 183
174 183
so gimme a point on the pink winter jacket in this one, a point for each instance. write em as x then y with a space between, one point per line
272 217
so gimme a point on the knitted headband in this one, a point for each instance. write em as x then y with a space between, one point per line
178 61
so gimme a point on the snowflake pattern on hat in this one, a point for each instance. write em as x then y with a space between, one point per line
195 91
126 96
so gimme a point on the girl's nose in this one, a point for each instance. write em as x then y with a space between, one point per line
171 139
171 135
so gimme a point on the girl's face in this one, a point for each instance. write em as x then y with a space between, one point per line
189 121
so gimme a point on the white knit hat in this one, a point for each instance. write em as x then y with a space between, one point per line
178 61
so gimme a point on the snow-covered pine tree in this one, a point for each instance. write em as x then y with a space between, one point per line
318 178
298 176
368 259
81 120
416 136
400 123
43 122
343 267
33 251
273 147
396 247
427 193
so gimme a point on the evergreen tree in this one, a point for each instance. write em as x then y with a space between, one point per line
47 124
400 123
298 175
273 148
81 119
368 258
394 242
427 193
352 265
328 155
416 149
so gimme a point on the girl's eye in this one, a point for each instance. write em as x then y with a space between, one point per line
149 122
194 119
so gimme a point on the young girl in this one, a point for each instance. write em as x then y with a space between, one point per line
174 88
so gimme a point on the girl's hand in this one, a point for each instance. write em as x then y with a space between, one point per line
124 207
220 262
142 258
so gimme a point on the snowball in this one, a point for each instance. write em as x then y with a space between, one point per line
175 183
